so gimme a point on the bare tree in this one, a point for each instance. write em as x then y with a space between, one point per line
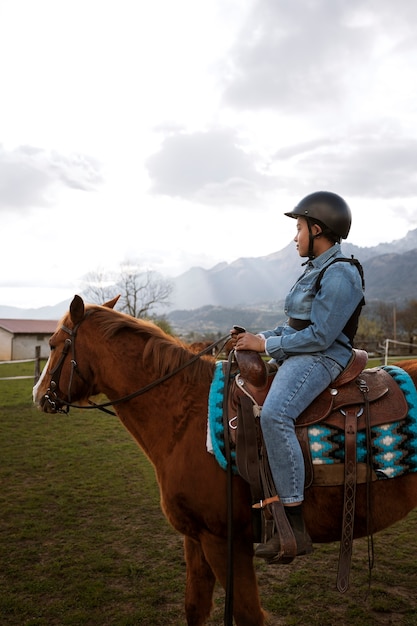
141 292
385 315
99 286
407 319
368 329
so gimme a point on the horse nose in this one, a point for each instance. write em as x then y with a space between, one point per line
44 402
47 404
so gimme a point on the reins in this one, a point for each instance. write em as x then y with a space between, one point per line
57 403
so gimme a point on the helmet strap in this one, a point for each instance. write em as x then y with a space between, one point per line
311 239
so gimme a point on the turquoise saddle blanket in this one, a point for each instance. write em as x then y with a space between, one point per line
394 445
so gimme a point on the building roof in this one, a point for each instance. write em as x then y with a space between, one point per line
29 327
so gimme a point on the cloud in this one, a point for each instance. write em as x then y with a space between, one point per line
296 150
293 55
209 167
371 165
319 67
29 176
296 57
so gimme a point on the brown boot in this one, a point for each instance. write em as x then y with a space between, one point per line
270 550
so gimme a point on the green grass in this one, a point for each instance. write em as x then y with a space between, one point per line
83 540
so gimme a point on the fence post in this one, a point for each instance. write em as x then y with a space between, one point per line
386 351
37 364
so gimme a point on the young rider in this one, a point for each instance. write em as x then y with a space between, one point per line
312 347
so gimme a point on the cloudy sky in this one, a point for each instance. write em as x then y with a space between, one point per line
177 133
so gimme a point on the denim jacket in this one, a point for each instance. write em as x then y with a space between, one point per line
328 310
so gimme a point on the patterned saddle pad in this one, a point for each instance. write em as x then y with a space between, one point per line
394 444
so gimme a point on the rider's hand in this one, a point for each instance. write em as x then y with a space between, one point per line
235 332
248 341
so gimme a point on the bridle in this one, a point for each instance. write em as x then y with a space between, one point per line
59 405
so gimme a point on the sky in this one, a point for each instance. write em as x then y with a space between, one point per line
176 134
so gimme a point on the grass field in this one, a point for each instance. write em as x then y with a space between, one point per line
83 541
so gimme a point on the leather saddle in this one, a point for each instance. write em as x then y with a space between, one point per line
354 387
357 400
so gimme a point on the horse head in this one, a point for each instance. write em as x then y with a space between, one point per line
62 381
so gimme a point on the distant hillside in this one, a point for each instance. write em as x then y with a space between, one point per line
390 272
392 277
260 284
218 320
42 313
389 277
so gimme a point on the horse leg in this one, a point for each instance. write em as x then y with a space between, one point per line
199 584
247 610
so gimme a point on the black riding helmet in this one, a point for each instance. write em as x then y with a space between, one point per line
327 209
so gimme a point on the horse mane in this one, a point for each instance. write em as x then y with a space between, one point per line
162 352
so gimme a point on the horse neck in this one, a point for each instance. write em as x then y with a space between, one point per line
167 417
159 418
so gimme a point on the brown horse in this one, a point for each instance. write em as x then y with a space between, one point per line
98 350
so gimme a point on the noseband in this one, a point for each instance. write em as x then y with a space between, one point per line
58 405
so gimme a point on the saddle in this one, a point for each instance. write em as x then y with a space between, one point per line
357 400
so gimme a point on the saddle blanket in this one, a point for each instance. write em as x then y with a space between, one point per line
394 444
215 428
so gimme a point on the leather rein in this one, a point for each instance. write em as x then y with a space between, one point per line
59 405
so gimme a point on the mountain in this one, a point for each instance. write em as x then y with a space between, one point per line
392 277
54 312
245 280
267 279
260 283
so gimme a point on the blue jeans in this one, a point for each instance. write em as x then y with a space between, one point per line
298 381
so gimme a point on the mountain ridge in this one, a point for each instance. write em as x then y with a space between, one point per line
254 281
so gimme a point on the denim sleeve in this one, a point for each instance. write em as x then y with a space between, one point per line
272 333
331 308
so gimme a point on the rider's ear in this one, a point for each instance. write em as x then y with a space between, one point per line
316 229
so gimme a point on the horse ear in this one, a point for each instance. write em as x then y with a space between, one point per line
77 309
111 303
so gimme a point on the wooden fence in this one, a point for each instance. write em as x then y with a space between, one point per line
36 361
